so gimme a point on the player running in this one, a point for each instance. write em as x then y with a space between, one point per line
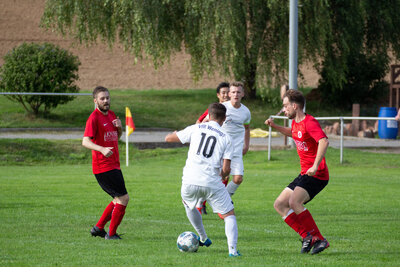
208 160
102 132
237 125
311 143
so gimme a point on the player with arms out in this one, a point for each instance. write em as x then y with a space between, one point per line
208 160
237 125
312 144
102 132
223 96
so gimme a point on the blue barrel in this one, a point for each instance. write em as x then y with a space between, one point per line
387 129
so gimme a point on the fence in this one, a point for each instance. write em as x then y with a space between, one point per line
341 119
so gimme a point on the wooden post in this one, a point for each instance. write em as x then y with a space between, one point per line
355 124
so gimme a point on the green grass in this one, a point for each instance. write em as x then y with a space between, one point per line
172 109
48 206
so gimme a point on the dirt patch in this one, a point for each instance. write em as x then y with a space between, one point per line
19 22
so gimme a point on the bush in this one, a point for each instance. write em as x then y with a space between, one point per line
44 68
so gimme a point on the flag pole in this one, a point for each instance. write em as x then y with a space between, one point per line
127 143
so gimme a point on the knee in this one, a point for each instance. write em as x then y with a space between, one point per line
238 179
123 200
295 205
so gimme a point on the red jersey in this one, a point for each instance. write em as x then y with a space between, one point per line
306 135
201 118
100 129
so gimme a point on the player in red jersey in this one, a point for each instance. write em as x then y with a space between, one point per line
222 94
311 143
102 132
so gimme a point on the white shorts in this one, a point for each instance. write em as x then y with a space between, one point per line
219 199
237 167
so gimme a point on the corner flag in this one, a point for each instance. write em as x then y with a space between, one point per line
130 127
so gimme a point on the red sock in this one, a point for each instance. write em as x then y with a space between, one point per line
308 223
225 182
292 221
106 216
116 218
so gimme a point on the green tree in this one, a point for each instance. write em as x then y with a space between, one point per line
244 39
43 68
357 54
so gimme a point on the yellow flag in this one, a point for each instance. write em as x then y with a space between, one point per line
129 121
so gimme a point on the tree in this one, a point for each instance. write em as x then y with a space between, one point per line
43 68
357 55
246 39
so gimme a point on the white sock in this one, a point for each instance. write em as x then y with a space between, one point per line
289 212
231 187
197 222
231 232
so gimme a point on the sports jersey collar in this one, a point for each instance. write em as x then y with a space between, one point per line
305 116
215 123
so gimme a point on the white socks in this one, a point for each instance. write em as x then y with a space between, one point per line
231 187
197 222
231 232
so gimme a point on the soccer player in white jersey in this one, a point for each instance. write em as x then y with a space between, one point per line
209 159
237 125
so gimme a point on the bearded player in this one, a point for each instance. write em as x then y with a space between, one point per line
311 143
102 132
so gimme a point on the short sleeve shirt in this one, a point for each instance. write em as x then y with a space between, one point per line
100 129
209 145
203 116
306 135
234 123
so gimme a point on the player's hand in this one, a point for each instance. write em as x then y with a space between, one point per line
107 151
269 122
311 171
245 149
117 123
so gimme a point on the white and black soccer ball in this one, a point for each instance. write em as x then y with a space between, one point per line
187 242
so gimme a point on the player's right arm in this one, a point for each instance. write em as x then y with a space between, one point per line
87 142
284 130
172 138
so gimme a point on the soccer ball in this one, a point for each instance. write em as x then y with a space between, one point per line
187 242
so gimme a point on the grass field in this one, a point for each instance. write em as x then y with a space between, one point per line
47 208
172 109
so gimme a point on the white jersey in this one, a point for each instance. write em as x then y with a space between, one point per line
234 125
209 145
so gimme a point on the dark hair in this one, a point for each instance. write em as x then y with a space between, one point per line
222 85
99 89
217 111
295 96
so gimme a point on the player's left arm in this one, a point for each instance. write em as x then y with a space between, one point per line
118 124
246 139
323 144
226 168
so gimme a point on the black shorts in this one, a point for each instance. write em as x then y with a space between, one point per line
311 184
112 182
